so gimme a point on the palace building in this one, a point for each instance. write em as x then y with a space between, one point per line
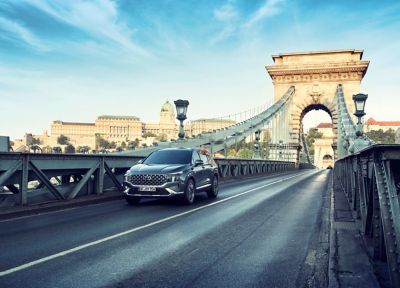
121 129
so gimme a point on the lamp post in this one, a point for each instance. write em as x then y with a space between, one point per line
359 143
181 109
257 145
359 103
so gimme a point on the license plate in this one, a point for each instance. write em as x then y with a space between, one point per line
147 188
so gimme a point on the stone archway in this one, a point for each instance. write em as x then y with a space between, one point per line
315 76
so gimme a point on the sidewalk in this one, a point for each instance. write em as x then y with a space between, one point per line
349 263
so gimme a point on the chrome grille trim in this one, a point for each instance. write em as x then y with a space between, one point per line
148 179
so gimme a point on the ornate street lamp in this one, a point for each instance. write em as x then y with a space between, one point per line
256 154
181 109
359 143
359 102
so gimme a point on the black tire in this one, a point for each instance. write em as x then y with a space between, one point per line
213 191
188 196
132 200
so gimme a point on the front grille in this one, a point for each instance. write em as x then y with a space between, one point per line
148 179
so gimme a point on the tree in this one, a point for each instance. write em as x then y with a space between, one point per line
36 141
133 144
101 143
112 145
149 134
162 137
63 140
312 134
123 145
70 149
245 153
47 149
382 137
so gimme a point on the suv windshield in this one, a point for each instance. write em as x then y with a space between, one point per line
169 157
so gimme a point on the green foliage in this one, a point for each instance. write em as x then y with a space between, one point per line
162 137
123 145
63 140
245 153
382 137
133 144
149 134
112 145
312 134
36 141
102 143
69 148
47 149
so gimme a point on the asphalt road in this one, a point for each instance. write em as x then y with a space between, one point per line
260 232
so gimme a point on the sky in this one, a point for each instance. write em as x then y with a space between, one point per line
75 60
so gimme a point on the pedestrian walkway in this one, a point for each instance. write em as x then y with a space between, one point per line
349 263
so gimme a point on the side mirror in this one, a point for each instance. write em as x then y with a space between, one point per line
139 162
198 163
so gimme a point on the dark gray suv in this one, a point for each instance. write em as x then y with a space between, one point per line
172 172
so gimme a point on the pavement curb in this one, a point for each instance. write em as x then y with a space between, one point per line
333 253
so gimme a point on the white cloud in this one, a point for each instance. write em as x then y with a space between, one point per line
270 8
98 18
225 33
18 32
225 13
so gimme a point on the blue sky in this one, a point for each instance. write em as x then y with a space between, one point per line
75 60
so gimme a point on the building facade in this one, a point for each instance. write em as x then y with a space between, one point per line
123 129
371 124
323 151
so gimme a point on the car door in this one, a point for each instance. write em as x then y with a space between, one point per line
198 171
206 180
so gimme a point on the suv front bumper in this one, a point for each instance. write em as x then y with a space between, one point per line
169 189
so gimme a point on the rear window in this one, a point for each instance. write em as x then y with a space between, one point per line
169 157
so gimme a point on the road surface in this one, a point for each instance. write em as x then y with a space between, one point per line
260 232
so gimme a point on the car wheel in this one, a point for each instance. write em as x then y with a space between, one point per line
132 200
188 196
213 192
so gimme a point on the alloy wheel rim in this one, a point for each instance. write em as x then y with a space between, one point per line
215 186
191 191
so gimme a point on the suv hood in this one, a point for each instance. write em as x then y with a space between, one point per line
156 168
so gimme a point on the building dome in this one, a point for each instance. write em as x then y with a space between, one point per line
167 107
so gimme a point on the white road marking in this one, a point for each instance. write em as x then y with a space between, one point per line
130 231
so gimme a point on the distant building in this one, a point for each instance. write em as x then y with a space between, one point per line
206 125
323 151
372 124
166 126
121 129
118 128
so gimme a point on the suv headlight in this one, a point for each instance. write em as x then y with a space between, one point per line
174 177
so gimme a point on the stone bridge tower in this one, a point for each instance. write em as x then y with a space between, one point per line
315 76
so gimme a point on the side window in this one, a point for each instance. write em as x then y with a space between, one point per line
210 160
195 157
204 158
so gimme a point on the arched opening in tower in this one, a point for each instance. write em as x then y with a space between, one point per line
317 135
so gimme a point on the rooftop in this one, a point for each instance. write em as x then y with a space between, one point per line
324 125
318 52
372 121
73 123
118 117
